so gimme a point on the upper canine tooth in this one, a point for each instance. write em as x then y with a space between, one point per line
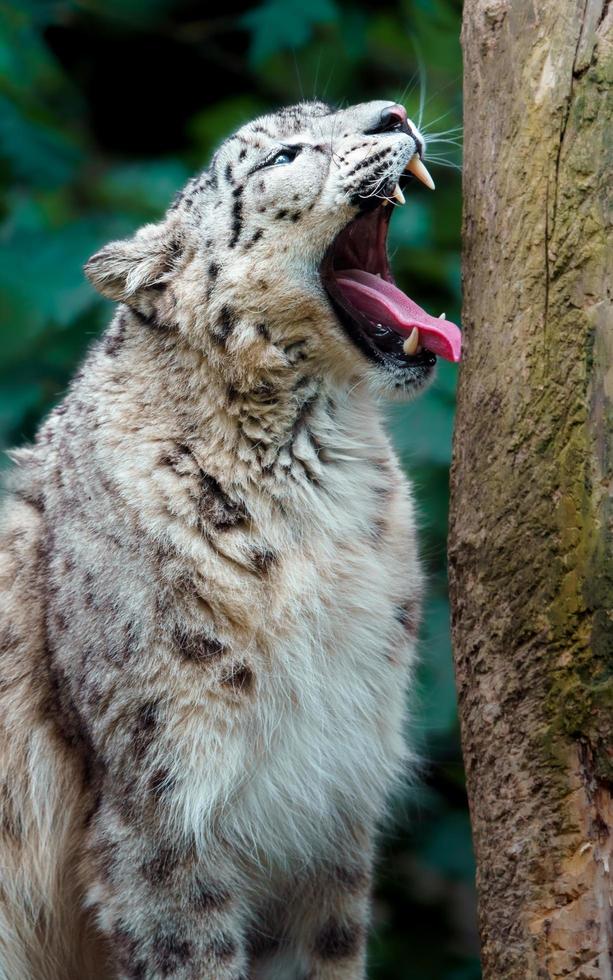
412 342
398 195
416 167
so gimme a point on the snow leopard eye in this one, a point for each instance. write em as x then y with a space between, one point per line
287 155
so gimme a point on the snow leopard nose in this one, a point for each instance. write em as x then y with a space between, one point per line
392 119
394 115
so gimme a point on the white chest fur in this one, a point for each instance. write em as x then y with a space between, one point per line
322 739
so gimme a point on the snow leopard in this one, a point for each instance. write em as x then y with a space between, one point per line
209 578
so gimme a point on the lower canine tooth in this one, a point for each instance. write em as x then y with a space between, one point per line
398 195
443 316
412 342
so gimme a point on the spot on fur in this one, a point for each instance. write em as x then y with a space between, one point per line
338 941
115 339
199 647
408 615
216 507
221 949
261 944
239 678
225 325
209 897
263 559
146 720
126 946
171 952
353 880
159 869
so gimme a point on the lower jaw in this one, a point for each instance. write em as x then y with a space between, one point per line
417 367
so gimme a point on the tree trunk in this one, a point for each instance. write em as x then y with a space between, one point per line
531 528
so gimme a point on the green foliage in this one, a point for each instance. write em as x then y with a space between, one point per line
106 108
280 25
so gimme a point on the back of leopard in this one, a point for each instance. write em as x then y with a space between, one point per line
209 581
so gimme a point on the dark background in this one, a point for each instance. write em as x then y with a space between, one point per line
106 108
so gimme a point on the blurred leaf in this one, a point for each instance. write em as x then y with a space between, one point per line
437 710
141 13
41 280
145 187
422 430
210 126
38 153
277 25
447 846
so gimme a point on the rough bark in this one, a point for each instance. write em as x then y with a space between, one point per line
531 530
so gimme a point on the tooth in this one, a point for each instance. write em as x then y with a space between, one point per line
443 316
385 202
412 342
416 167
398 195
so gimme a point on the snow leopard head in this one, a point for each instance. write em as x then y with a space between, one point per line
271 259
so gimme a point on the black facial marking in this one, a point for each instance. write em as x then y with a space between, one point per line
237 220
281 214
213 270
263 330
296 216
242 154
368 161
255 238
228 173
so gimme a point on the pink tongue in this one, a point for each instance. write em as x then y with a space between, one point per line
384 303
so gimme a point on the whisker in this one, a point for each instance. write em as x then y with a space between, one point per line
298 78
412 82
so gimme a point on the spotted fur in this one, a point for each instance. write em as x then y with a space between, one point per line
209 590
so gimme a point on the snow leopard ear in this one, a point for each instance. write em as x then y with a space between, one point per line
123 268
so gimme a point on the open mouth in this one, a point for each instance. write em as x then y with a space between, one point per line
381 320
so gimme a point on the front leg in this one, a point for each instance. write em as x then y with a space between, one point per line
165 910
334 935
317 927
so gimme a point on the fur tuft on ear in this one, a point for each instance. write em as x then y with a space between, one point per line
123 268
